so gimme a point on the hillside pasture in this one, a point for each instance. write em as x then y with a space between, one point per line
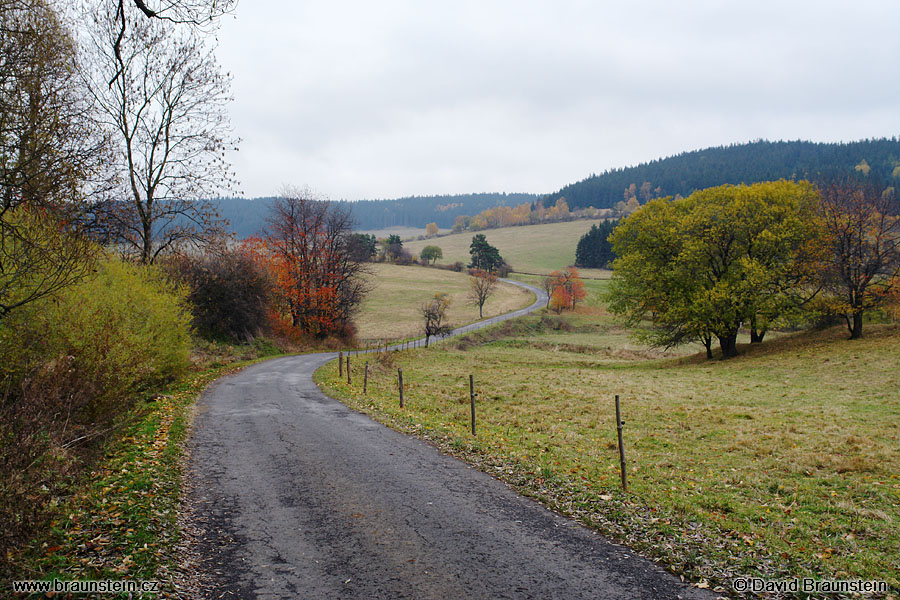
529 248
392 310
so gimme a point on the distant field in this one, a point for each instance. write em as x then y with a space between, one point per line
392 310
783 462
531 248
405 233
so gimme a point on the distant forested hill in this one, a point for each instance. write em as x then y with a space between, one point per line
681 174
418 211
738 163
248 217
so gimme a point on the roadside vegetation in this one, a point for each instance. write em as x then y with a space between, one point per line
118 520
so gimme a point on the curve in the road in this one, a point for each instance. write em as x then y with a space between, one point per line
297 496
540 300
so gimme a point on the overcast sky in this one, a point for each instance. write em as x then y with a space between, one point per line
363 100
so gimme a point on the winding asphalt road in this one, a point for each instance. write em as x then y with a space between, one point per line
297 496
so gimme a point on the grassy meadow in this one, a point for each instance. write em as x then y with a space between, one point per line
530 248
391 311
782 462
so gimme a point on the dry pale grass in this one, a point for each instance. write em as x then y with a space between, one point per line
392 311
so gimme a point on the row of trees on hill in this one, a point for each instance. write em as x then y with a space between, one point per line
417 211
522 214
760 255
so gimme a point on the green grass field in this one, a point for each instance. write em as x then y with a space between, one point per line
391 311
531 248
782 462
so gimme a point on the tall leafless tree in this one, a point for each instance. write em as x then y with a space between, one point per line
202 14
194 12
481 286
862 257
433 313
167 105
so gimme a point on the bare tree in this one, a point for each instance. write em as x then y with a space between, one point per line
433 312
481 286
49 155
862 263
167 106
319 283
548 284
201 14
194 12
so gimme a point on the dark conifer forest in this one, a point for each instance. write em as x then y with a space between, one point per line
738 163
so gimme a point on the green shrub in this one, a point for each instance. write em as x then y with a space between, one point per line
123 328
71 365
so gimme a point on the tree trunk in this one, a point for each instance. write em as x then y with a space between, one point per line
756 334
728 344
147 248
707 341
426 340
856 331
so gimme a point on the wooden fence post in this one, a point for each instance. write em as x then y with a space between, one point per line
366 378
472 400
348 369
622 463
400 385
341 364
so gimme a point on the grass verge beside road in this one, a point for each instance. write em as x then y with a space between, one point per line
784 462
120 522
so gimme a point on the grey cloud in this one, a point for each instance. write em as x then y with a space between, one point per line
376 100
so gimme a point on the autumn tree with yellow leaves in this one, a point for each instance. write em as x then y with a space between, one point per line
702 267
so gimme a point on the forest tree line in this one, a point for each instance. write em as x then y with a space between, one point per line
620 189
754 162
